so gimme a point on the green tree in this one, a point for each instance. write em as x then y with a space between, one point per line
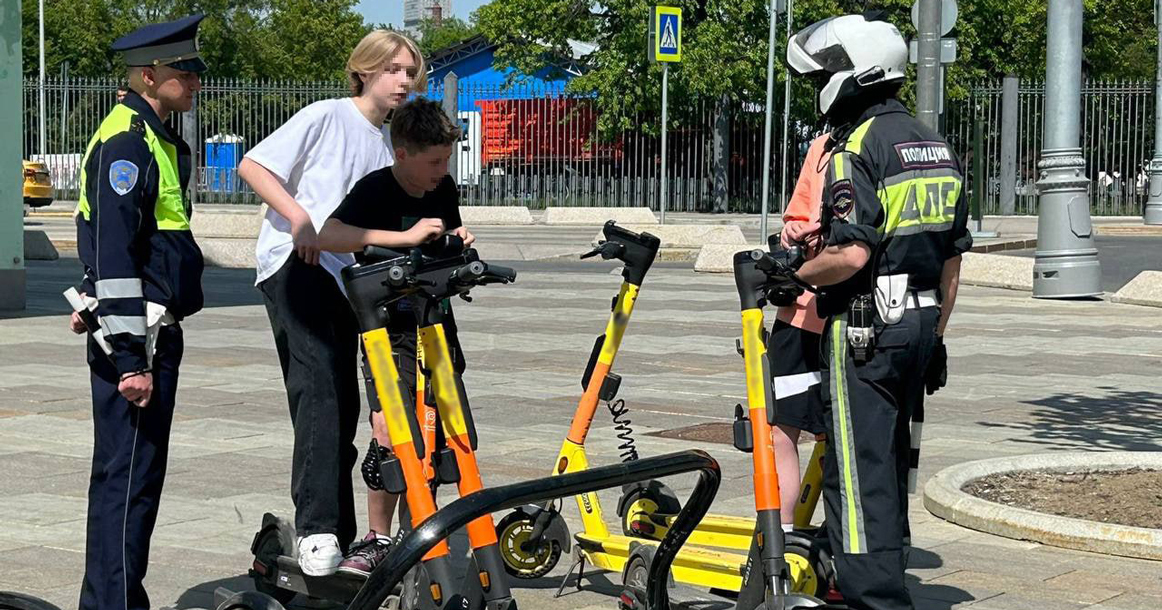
436 36
306 39
725 45
289 39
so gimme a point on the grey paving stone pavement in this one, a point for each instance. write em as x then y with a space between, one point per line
1026 376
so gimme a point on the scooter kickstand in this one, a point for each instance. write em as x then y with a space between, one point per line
579 563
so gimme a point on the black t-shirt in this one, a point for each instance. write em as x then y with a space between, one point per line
378 202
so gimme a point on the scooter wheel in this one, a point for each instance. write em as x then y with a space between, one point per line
19 601
824 567
637 572
513 530
642 502
805 576
267 549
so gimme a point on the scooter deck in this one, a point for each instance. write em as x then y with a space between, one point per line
286 574
716 531
696 566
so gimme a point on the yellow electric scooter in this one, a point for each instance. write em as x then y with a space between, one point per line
648 508
769 583
533 538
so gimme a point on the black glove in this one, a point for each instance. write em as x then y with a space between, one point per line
937 374
784 294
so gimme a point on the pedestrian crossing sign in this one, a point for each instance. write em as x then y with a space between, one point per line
667 33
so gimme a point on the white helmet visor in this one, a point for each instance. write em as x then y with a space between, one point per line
817 49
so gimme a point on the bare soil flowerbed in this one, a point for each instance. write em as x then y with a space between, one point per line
1127 497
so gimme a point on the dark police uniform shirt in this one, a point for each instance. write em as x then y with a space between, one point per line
896 186
121 237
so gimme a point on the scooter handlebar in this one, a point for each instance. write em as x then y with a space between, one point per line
478 273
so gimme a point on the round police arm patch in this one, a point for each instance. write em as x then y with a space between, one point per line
842 198
123 176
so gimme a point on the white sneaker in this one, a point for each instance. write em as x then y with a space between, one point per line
319 554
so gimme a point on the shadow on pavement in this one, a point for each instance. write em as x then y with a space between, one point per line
928 596
18 601
201 597
46 280
1118 420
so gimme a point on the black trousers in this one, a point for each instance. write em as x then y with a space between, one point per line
130 449
316 335
867 410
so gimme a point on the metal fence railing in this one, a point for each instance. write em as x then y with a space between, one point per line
230 115
525 144
535 144
1117 141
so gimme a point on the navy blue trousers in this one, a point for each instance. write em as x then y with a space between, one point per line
130 448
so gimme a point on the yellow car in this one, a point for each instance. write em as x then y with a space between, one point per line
37 184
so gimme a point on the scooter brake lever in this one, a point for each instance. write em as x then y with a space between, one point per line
594 252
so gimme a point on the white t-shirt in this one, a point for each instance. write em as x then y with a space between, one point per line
319 154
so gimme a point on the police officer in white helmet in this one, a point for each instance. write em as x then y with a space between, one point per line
894 224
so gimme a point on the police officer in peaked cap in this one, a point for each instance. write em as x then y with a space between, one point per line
142 277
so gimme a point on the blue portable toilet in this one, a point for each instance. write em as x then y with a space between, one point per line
223 154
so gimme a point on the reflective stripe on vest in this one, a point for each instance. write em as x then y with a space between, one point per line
170 209
919 201
913 201
853 146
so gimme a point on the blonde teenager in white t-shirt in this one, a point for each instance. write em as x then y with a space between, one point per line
302 171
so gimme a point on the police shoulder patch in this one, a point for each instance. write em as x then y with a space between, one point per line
123 176
842 198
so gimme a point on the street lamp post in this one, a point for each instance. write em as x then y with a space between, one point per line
773 18
40 89
1153 211
1066 259
928 67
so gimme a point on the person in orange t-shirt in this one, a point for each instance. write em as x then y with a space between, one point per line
794 340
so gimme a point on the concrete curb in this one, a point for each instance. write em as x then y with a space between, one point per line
978 268
472 215
1010 244
231 253
943 497
598 216
1126 229
719 258
997 271
1144 289
241 223
38 247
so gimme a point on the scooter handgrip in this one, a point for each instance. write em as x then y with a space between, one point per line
498 273
469 272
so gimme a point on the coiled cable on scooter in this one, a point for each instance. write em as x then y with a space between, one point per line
622 426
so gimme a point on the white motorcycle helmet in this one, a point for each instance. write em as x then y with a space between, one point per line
849 54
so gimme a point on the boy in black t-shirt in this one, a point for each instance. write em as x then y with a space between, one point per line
406 204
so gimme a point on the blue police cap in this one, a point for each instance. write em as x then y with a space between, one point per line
173 44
